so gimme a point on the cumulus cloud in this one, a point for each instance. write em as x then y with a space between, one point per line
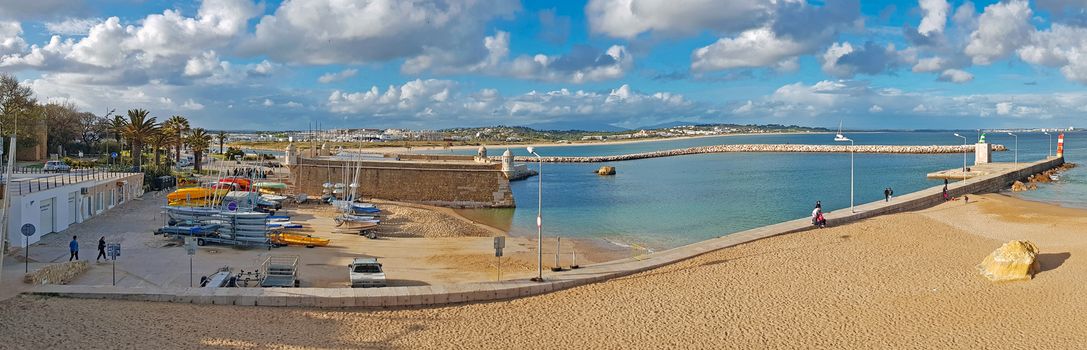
795 29
753 48
329 31
935 17
10 38
1002 28
629 18
582 64
1061 46
956 76
844 61
337 76
190 104
72 26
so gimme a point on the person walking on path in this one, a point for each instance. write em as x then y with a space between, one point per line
101 249
887 194
73 247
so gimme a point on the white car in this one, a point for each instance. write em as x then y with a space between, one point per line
366 272
56 166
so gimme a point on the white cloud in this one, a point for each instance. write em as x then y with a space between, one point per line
582 64
1060 46
793 29
745 108
337 76
204 65
875 109
1004 108
935 18
629 18
292 104
1002 28
335 31
844 61
752 48
190 104
10 39
72 26
956 76
268 103
920 108
930 64
171 34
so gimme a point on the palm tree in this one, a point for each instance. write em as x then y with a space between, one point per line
137 128
198 140
178 125
159 139
221 135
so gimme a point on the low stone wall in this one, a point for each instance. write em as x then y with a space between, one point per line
61 273
884 149
452 184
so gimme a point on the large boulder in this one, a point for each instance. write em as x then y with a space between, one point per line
1018 186
606 170
1013 261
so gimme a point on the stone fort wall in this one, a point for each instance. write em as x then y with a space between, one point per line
449 184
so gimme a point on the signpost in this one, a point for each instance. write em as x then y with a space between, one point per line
499 243
27 230
190 248
113 250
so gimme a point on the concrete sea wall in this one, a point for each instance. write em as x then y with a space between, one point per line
885 149
449 184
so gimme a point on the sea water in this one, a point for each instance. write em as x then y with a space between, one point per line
672 201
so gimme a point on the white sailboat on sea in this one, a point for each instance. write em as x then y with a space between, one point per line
839 136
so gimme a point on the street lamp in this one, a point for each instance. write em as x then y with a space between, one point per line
842 138
1016 147
1050 148
963 156
539 219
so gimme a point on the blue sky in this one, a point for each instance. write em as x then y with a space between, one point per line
442 63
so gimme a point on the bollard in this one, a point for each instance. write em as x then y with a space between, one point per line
558 246
573 259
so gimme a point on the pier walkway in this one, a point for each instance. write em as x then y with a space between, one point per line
481 292
766 148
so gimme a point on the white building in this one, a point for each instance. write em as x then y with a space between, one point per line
51 203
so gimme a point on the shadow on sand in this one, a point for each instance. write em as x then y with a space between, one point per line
1053 260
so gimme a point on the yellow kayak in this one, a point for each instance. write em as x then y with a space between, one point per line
202 202
193 193
297 239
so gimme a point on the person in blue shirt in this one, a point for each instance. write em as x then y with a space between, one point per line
73 246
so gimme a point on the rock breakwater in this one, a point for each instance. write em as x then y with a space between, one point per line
776 148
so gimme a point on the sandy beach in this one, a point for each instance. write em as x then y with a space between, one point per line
899 281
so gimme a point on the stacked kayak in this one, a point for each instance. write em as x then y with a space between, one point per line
194 196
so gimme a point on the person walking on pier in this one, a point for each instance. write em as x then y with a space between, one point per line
890 193
886 194
101 249
73 247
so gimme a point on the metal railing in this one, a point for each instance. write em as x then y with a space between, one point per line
22 186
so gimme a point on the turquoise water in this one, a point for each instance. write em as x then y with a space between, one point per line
667 202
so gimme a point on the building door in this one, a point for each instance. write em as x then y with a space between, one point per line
72 207
45 224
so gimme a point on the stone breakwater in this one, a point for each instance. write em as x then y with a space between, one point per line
886 149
